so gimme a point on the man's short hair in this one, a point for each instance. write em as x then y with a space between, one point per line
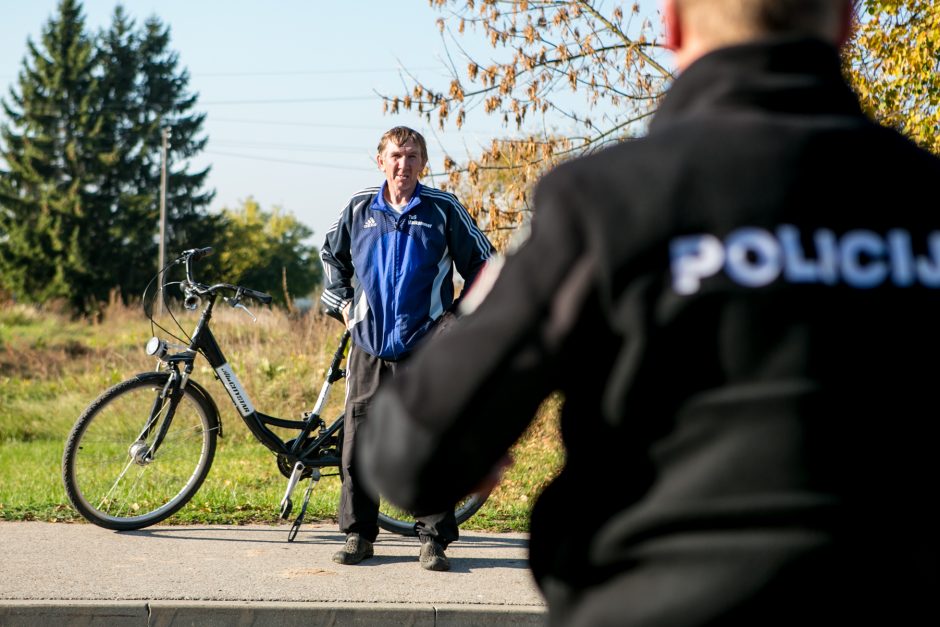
400 135
733 21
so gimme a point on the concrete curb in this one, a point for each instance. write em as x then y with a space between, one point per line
261 614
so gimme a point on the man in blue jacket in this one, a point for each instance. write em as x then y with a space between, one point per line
388 265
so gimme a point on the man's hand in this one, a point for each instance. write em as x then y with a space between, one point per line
443 323
345 313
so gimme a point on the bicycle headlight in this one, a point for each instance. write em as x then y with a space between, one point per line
156 348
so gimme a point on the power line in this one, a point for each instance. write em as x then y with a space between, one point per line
463 131
241 143
290 100
331 166
308 124
197 106
311 72
292 72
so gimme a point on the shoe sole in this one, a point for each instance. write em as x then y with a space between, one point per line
351 562
435 566
346 559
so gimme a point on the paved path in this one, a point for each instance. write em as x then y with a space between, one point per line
79 574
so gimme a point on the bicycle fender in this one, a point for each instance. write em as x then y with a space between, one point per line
210 402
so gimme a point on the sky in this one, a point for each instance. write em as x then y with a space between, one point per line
290 89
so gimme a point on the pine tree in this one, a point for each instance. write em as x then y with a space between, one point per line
132 207
48 208
147 93
79 198
166 103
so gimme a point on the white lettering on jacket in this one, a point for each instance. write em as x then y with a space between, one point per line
755 257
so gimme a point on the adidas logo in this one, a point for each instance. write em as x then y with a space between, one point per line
370 223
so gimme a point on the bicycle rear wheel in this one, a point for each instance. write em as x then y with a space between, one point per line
401 522
111 479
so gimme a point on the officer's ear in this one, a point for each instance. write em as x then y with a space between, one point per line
846 22
672 25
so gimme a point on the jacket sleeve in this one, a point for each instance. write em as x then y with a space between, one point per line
446 421
337 265
468 246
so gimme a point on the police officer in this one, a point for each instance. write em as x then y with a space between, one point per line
741 312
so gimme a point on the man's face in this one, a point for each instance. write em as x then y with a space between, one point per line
401 164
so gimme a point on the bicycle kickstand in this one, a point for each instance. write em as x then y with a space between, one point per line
286 503
294 528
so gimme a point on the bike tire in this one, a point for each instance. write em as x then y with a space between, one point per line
394 520
102 479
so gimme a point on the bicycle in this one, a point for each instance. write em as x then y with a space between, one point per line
143 448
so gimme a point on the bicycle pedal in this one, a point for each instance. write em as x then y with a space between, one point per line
286 508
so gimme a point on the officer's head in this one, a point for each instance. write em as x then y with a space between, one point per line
695 27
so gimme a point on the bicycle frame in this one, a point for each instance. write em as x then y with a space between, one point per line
300 458
203 341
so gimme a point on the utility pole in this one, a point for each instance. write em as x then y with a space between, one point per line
162 254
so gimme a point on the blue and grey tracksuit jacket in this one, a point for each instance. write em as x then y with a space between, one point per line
397 269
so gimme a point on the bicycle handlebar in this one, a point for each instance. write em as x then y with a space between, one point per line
195 254
261 297
202 290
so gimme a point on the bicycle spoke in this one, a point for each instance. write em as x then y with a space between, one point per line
116 482
129 497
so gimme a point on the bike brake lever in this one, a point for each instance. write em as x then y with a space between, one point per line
247 311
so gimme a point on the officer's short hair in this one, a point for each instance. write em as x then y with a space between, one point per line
731 21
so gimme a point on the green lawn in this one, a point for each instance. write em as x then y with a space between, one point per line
52 367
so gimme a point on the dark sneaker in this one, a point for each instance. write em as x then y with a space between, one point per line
432 556
357 549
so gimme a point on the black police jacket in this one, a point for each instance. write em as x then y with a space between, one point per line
741 310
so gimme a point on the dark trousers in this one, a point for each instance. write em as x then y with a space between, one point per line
358 512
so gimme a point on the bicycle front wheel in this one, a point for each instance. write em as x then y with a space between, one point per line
111 477
401 522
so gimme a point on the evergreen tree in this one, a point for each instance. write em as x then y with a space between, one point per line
147 93
133 207
79 198
165 102
48 209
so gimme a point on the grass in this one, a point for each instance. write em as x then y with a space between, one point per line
52 367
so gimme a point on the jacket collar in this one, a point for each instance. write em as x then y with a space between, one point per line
797 75
379 201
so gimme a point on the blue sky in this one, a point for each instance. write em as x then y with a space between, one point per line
289 87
